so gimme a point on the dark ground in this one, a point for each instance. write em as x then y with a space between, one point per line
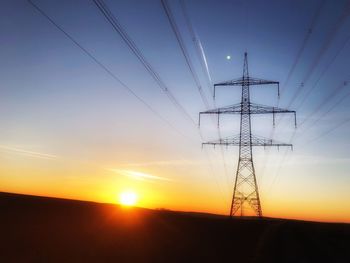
39 229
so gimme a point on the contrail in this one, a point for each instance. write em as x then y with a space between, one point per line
204 58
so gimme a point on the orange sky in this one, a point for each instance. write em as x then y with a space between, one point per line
173 184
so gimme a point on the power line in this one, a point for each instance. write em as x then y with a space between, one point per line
274 180
130 43
99 63
198 46
213 174
336 104
184 51
86 52
326 44
325 69
325 133
333 106
340 124
303 44
306 39
328 98
121 31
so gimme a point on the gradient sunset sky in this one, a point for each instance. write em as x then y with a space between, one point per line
68 129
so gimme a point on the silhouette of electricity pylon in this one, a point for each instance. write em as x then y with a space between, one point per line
245 189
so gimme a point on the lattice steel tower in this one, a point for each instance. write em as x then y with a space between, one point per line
245 189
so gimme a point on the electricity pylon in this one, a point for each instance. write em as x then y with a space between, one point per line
245 189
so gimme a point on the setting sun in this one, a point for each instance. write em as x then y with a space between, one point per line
128 198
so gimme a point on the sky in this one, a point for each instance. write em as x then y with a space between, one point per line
69 129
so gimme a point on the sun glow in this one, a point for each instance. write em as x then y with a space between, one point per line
128 198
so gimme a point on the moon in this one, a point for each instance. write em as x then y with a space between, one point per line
228 57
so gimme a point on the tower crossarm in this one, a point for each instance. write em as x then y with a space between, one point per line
253 109
233 109
255 141
249 81
262 109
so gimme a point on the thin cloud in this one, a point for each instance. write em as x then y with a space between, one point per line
28 153
162 163
140 175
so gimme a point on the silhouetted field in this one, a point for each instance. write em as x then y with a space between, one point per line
39 229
